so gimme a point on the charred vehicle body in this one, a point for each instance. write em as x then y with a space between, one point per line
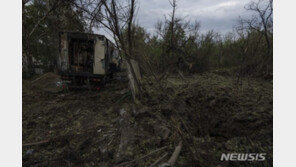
86 60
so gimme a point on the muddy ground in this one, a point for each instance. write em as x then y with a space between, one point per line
210 113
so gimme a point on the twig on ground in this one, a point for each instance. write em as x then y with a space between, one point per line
37 143
147 155
158 160
32 82
65 136
123 97
175 155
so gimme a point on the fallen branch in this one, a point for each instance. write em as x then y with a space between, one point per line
123 97
175 155
181 75
65 136
185 139
158 160
32 82
37 143
147 155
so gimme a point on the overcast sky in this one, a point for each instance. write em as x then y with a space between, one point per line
217 15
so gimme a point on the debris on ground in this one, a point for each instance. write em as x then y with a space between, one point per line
48 82
193 119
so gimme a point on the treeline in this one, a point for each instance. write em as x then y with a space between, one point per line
179 46
42 20
176 46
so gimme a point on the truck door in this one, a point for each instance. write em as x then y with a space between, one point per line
99 58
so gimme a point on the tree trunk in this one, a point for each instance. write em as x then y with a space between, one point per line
134 77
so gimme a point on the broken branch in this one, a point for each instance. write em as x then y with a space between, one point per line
147 155
158 160
37 143
175 155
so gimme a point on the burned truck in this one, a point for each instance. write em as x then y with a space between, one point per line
86 60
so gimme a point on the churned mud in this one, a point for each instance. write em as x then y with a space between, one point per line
209 113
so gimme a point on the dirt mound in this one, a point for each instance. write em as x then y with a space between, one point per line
214 115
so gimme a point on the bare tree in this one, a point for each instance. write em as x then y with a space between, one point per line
51 8
262 21
52 5
116 16
174 6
